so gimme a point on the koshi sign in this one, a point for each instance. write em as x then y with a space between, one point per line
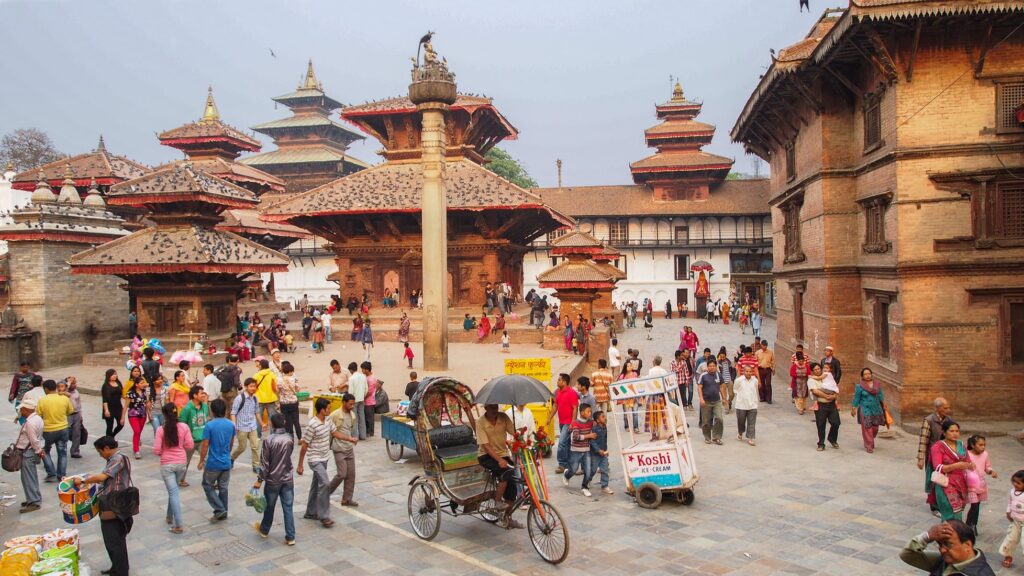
657 465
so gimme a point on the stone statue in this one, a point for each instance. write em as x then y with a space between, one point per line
8 318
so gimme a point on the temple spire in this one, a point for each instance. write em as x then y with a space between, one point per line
677 93
101 147
68 192
210 114
310 83
94 199
43 194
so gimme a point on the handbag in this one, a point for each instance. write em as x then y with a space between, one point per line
122 503
939 479
888 417
12 457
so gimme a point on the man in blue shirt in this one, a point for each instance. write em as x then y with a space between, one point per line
215 459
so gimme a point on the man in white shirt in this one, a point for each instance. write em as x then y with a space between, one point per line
614 358
656 369
358 387
325 320
522 417
745 391
210 382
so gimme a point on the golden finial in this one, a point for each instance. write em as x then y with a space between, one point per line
311 83
677 93
101 147
210 114
10 166
69 176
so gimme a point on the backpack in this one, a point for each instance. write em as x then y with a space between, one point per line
226 377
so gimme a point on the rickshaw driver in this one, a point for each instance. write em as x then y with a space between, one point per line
493 454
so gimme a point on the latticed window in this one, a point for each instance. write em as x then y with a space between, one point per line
1009 216
873 121
555 234
1009 96
874 220
791 230
618 232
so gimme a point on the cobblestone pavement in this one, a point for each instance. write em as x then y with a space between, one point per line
777 508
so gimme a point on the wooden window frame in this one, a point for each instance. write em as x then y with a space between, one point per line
791 230
875 208
1004 103
1005 298
618 232
798 289
685 229
881 332
873 121
681 273
790 160
999 212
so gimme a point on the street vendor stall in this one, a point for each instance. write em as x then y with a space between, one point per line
660 460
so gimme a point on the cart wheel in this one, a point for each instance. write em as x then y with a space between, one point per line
548 534
687 497
648 495
424 510
394 450
489 511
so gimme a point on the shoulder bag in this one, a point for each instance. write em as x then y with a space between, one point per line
12 456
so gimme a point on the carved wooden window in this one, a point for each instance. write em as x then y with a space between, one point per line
1015 330
682 267
682 234
791 162
1009 211
1009 95
873 121
874 221
791 230
618 232
881 326
798 310
555 234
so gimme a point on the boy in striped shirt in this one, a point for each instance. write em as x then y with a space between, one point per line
581 432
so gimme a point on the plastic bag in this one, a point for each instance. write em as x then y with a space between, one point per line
256 500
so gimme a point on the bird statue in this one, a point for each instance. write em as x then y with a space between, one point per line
805 4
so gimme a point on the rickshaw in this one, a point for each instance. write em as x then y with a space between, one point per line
454 483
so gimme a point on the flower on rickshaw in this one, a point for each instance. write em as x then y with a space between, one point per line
521 441
541 441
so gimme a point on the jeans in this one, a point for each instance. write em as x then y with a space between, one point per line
60 438
368 411
577 459
157 420
827 414
636 418
360 421
115 534
600 464
75 428
271 409
30 477
711 420
215 484
745 422
291 416
345 463
286 492
689 393
172 474
319 503
250 438
114 425
562 452
328 335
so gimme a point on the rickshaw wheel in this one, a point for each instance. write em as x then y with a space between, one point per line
489 511
548 533
394 449
648 495
424 510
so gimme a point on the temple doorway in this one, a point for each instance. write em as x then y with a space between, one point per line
390 282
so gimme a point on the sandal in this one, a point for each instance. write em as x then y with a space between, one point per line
183 484
1008 562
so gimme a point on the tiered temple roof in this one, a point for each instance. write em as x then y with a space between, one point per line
106 168
679 139
210 136
579 270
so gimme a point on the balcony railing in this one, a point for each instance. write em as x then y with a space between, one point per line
762 242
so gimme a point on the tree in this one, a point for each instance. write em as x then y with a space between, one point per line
504 165
27 148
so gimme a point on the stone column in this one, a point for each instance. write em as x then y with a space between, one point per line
435 238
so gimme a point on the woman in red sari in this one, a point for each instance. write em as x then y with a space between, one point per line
483 329
499 324
949 457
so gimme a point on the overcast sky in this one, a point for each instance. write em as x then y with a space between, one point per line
578 79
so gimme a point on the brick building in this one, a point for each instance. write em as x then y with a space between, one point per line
897 198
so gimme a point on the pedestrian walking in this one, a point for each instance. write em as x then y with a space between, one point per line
215 459
566 403
30 442
20 384
158 397
195 415
599 450
614 358
113 406
709 390
601 380
247 427
287 395
170 444
956 552
799 372
357 387
343 443
833 364
867 406
931 432
949 488
315 449
1015 515
745 389
115 477
581 432
54 409
75 425
178 391
230 378
977 485
726 370
266 392
275 470
370 400
682 367
138 402
765 370
825 392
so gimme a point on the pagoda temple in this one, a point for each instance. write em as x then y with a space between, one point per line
312 149
183 273
55 319
373 217
582 284
680 170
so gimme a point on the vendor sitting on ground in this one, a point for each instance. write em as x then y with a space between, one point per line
491 432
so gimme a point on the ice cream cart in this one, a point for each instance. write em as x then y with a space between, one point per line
658 461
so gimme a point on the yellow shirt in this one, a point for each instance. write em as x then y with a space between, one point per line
494 434
266 382
54 410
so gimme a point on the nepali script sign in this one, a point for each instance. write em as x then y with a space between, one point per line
646 386
539 368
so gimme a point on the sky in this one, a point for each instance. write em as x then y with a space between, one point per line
578 79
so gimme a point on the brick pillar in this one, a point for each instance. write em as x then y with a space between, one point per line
597 345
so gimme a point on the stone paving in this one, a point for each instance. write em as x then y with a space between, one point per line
777 508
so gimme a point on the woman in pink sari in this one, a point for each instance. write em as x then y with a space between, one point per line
949 457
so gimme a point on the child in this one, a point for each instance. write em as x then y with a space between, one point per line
504 341
408 355
1015 514
581 432
289 342
977 487
367 339
599 449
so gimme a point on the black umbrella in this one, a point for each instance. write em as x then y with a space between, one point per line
513 389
